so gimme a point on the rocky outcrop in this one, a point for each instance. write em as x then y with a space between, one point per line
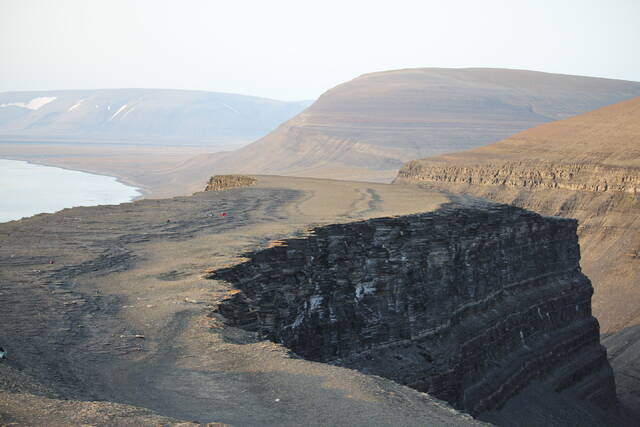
468 303
588 168
529 175
225 182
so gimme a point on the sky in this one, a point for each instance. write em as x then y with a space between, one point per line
294 50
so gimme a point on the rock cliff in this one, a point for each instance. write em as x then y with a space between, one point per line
225 182
531 175
586 167
469 303
122 315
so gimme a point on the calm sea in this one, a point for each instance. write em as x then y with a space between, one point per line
27 189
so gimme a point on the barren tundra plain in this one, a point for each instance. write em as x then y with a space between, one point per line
119 329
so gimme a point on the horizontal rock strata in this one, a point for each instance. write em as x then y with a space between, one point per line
469 303
528 175
586 167
225 182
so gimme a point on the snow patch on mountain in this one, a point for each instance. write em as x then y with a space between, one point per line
117 112
34 104
74 106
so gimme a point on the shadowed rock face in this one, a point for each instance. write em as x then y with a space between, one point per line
468 303
366 128
586 167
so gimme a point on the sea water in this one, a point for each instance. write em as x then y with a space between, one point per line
27 189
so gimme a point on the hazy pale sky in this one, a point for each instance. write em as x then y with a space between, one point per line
297 49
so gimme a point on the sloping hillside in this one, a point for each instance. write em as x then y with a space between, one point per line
586 167
366 128
157 116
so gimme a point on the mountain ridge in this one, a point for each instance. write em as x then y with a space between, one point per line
368 127
152 116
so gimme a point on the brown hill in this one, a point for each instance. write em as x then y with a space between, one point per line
366 128
586 167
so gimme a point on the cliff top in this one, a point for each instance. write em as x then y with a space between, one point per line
123 309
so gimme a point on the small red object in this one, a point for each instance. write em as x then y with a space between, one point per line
223 214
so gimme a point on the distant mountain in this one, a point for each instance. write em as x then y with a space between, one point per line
366 128
158 116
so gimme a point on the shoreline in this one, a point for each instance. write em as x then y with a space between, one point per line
144 192
148 169
141 193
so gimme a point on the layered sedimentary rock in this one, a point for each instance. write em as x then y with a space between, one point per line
225 182
588 168
531 175
468 303
365 129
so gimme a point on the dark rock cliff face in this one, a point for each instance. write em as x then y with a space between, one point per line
469 303
586 167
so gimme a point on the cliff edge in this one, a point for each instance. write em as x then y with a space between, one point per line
586 167
469 303
172 309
